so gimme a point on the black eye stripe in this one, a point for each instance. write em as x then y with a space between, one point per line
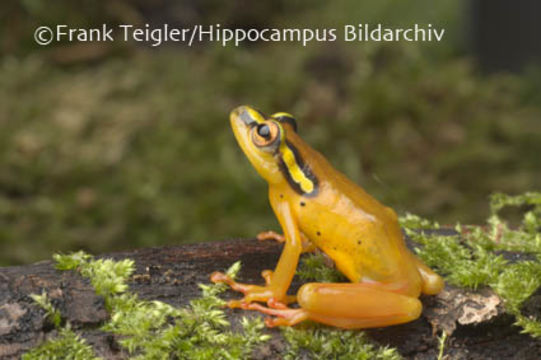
288 120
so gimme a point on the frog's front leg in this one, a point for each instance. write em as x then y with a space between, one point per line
347 305
277 281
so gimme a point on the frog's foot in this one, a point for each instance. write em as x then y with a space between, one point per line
283 316
252 292
270 235
272 302
307 245
275 304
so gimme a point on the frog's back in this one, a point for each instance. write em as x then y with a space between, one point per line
360 234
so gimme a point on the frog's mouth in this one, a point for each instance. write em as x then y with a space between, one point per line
243 119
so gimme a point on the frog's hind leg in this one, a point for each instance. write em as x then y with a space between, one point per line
348 306
357 305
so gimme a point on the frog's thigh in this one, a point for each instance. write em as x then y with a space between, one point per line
356 305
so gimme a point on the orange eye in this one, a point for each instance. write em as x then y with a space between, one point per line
265 134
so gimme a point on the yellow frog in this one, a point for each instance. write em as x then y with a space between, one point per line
318 207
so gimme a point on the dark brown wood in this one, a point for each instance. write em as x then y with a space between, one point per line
478 326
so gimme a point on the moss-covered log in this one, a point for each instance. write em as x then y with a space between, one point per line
476 322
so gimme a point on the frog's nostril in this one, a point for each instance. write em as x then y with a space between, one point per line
246 117
243 113
238 115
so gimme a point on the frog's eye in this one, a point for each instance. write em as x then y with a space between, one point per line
265 135
286 118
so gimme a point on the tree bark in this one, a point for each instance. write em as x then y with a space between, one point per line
476 321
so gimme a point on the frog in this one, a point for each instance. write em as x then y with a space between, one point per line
320 209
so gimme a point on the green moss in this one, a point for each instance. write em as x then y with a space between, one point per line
51 312
156 330
470 259
66 346
526 237
412 221
466 266
152 329
313 267
326 343
529 325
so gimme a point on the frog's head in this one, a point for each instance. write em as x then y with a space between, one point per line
268 142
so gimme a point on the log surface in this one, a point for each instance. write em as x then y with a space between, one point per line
478 326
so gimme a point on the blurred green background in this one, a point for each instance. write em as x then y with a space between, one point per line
119 145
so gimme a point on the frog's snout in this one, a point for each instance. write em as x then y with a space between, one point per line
246 116
241 115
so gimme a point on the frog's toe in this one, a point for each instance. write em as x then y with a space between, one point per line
236 304
295 317
281 317
270 235
251 292
243 303
219 277
273 303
